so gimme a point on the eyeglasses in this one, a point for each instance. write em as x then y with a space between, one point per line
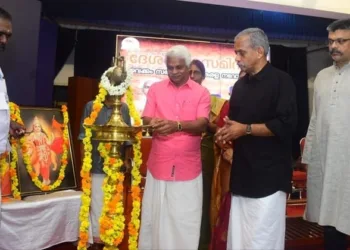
339 41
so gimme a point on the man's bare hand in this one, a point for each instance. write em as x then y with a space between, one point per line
163 127
17 130
232 130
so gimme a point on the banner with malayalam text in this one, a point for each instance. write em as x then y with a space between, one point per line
145 55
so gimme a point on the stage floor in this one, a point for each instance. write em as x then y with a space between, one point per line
300 235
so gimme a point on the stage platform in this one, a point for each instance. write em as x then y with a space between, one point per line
300 235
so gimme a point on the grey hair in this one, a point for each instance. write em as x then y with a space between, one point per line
342 24
179 51
257 37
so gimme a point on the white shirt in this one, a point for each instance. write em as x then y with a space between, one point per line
4 115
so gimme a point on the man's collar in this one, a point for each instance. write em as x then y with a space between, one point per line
347 65
260 75
189 83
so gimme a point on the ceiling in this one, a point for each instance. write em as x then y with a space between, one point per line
180 18
316 8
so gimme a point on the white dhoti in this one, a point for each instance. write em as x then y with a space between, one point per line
96 204
257 223
171 214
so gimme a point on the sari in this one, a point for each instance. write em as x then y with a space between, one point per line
221 175
208 164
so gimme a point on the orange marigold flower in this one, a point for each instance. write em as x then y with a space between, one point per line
120 188
84 236
93 115
112 160
33 174
12 172
118 240
108 146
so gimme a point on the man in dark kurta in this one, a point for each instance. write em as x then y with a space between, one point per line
262 117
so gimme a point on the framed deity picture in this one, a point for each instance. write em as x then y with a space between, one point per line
46 152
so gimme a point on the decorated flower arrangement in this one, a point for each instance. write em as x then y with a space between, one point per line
112 220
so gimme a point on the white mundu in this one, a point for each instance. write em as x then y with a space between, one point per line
4 121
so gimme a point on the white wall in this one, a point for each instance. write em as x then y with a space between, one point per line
66 71
19 61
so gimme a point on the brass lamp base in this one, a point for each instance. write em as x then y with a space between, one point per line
115 131
116 135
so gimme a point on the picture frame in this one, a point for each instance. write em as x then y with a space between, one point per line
44 140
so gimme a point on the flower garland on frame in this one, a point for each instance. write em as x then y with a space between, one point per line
15 115
3 164
134 224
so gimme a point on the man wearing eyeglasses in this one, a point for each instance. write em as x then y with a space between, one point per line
327 147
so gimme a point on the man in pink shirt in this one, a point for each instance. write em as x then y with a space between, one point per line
178 110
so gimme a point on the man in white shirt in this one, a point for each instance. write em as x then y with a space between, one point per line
327 143
6 126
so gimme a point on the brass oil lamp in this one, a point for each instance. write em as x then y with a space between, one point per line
116 131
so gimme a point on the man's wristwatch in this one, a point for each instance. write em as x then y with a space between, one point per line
248 129
179 126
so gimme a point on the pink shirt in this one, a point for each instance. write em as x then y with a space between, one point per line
176 157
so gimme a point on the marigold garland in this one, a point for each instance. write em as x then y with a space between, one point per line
15 116
85 171
3 164
134 224
112 216
13 170
112 220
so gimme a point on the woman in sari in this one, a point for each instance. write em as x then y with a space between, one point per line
221 197
197 74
